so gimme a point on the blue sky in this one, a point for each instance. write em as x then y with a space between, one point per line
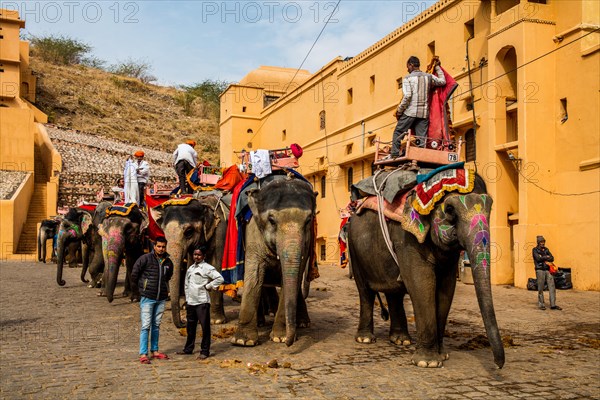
189 41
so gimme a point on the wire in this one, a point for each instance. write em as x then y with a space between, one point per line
301 64
515 161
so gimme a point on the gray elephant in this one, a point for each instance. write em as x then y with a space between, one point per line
427 266
48 231
187 225
122 232
279 243
80 228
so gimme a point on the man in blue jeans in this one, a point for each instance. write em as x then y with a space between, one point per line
152 272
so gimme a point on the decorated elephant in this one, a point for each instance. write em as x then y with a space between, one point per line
122 232
279 244
188 224
426 244
80 228
48 229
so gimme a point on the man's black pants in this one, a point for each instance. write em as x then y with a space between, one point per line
183 168
199 313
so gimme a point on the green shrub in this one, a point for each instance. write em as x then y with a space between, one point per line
208 91
61 50
138 69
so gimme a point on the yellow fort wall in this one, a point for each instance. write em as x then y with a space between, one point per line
21 131
524 70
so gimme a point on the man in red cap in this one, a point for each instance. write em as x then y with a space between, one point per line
184 160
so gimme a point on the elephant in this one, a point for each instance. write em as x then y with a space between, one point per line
426 270
122 238
279 241
187 226
79 227
48 229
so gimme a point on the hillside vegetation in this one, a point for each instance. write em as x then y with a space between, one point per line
126 109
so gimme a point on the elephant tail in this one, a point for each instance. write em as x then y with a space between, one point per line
385 315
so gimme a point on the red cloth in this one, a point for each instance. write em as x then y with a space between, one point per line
438 125
88 207
231 240
154 230
230 179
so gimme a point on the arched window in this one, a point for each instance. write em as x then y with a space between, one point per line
323 186
350 177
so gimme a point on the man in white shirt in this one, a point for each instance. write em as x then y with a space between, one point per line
199 279
184 160
142 170
413 110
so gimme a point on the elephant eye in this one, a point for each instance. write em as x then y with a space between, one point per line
189 231
272 220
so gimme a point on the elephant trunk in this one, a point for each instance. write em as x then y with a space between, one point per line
480 264
290 256
63 237
177 253
113 248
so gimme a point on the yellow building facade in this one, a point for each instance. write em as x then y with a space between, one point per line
526 108
24 145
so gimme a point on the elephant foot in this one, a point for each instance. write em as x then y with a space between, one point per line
218 320
365 337
400 339
243 342
101 294
126 294
303 324
426 359
280 338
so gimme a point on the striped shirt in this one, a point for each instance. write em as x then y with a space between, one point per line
415 89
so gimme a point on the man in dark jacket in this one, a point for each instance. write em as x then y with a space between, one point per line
152 272
541 255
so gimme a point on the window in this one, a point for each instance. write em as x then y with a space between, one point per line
283 134
505 5
371 140
244 109
430 51
323 186
249 145
470 154
323 251
372 84
321 160
399 82
349 96
350 177
250 131
349 149
469 29
322 120
538 1
267 100
564 112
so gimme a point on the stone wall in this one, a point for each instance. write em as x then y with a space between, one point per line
91 163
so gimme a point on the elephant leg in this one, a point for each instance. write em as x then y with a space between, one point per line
85 256
278 333
302 318
41 245
131 289
96 266
247 331
421 286
398 324
217 311
364 333
446 285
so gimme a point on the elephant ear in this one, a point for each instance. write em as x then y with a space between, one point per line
86 222
145 222
414 222
157 213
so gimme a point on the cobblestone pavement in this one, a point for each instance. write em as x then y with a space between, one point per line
65 342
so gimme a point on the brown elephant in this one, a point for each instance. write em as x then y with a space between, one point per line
279 240
427 248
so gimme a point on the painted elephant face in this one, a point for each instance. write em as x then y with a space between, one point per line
75 224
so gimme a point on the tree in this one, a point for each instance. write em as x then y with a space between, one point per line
139 69
208 91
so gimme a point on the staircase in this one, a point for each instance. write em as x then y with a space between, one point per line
37 209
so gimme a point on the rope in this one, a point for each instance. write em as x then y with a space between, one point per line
384 228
